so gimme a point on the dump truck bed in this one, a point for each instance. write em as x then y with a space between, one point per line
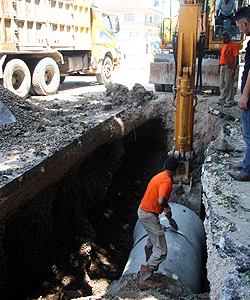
40 25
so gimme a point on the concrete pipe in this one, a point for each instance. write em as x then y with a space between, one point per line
186 248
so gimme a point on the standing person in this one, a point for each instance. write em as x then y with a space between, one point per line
225 10
154 201
228 63
242 18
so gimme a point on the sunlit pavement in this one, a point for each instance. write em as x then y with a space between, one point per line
81 83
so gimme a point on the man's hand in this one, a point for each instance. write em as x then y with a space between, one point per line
168 215
243 102
173 223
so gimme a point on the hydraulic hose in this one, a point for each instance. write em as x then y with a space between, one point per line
198 69
202 54
175 49
201 47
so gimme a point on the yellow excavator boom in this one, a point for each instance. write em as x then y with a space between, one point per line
185 100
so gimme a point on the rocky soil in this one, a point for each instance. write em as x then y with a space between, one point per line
44 125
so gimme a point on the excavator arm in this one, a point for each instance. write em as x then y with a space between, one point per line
185 99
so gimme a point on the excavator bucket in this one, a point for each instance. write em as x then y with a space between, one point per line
6 115
162 73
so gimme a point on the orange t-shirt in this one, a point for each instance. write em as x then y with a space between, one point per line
227 54
159 185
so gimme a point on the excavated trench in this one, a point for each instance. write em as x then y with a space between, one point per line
82 225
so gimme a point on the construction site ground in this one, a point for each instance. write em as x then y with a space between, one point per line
46 125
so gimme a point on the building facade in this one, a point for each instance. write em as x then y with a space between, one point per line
139 27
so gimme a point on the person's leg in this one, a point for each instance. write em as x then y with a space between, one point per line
145 280
229 86
222 82
220 19
245 115
149 243
148 248
152 225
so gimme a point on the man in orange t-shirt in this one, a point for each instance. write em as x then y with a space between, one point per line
227 66
154 201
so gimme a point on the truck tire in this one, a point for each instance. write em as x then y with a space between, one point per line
32 64
106 72
62 78
46 77
17 77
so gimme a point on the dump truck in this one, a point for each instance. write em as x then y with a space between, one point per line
163 70
42 41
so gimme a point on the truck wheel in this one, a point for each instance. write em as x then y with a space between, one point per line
62 78
46 77
32 64
106 72
17 77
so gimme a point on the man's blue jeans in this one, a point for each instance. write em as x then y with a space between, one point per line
245 116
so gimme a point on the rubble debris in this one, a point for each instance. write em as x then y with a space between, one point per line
220 114
227 218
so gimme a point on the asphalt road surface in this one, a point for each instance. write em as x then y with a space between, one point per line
81 83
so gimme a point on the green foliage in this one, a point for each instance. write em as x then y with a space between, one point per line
230 202
247 277
161 32
226 118
205 95
155 97
86 101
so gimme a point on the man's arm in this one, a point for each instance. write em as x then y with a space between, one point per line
163 201
218 70
245 95
218 9
167 209
236 59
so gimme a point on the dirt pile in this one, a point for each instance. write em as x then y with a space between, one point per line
120 94
44 125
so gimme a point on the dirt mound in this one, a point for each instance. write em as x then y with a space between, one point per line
120 94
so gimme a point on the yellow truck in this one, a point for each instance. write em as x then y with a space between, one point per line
42 41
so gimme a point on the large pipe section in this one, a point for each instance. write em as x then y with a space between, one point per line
186 248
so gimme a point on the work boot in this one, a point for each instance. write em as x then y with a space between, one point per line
230 104
238 166
148 252
221 102
145 281
239 176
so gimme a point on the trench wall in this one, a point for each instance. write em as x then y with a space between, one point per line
227 213
44 213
